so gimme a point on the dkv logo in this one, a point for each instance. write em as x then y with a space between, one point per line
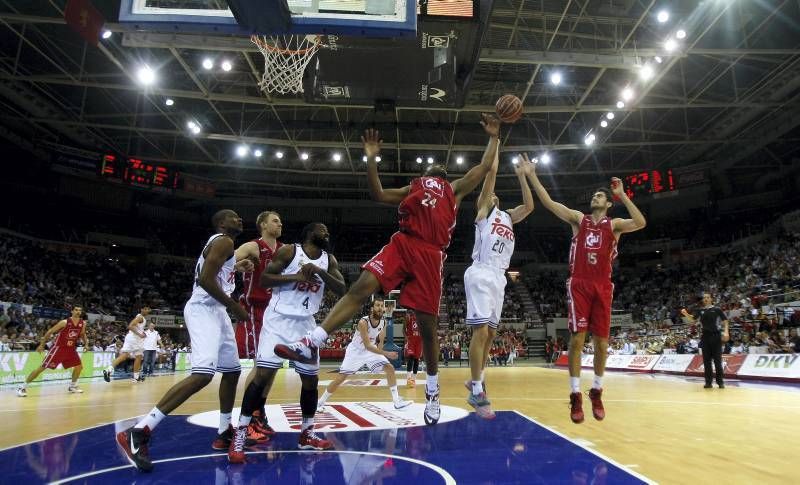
102 360
13 361
776 361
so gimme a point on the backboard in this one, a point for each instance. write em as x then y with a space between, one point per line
374 18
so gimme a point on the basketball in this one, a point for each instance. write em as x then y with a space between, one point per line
508 108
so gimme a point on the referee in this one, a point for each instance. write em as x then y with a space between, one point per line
713 322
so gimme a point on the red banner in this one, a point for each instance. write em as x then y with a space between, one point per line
730 365
84 19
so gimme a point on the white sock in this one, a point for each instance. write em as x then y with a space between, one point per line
74 384
244 420
325 396
433 383
307 422
395 395
23 385
110 369
575 384
319 336
151 419
224 422
135 375
477 387
597 383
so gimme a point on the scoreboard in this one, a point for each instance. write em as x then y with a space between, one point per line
137 172
650 182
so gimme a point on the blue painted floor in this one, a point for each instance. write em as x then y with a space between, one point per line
508 450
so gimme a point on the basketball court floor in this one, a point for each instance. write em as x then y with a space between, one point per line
665 430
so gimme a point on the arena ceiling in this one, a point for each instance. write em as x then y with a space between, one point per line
729 94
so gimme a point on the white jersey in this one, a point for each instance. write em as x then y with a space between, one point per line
226 278
139 327
300 299
494 240
357 345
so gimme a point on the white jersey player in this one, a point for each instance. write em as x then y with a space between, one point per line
366 349
485 279
132 347
299 275
212 339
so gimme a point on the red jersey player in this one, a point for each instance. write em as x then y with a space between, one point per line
255 299
413 258
413 348
589 287
63 350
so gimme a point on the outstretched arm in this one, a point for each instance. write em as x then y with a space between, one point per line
372 148
637 220
471 179
561 211
484 202
246 256
520 212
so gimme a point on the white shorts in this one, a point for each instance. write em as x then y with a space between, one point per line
213 340
283 329
356 359
133 345
485 288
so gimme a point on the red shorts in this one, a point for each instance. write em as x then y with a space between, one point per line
413 347
247 332
589 306
68 358
415 263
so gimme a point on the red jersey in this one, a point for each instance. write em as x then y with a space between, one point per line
429 211
593 250
254 293
412 328
68 336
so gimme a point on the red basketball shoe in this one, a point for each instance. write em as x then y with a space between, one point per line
576 407
310 441
598 410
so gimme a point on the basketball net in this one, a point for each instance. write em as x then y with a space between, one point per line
285 60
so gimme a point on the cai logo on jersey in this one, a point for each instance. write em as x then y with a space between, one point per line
340 416
434 185
594 239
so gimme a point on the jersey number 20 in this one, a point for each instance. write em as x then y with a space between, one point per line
498 247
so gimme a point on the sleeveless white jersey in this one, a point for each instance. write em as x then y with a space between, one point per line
226 278
356 344
140 327
300 299
494 240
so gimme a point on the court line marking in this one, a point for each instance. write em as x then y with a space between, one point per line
58 435
594 452
448 479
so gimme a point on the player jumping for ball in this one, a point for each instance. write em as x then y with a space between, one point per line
589 287
414 257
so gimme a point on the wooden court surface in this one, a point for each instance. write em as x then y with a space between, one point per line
668 430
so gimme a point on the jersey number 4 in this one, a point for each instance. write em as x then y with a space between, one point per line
305 303
429 200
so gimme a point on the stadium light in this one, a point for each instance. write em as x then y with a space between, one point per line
278 154
227 66
208 64
241 151
146 75
459 160
662 16
169 102
555 78
304 156
106 34
419 159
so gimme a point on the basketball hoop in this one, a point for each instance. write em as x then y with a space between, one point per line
285 60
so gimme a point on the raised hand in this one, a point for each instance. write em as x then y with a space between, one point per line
527 164
616 186
491 125
372 142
